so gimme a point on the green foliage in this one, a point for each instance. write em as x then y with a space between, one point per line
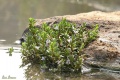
57 48
10 50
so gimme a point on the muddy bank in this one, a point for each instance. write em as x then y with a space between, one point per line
105 51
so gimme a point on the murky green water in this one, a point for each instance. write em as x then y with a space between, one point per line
14 16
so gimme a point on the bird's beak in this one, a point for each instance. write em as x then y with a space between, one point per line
17 42
20 41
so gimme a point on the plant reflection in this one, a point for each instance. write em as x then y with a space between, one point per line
34 72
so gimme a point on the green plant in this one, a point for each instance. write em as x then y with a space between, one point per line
57 48
10 50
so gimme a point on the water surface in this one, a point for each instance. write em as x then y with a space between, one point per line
9 70
14 14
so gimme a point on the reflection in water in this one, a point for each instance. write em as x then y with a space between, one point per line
10 67
104 5
33 72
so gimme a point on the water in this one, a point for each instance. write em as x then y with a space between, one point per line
14 16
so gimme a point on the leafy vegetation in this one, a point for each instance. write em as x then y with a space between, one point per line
10 50
57 48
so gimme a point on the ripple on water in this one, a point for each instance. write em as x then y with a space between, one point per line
2 40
